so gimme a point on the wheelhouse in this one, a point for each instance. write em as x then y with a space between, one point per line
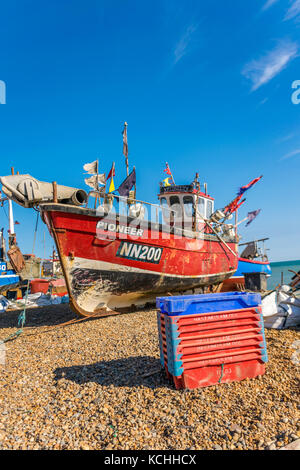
188 204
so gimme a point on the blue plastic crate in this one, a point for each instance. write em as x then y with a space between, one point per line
206 303
159 327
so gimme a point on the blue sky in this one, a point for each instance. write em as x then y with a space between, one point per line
206 86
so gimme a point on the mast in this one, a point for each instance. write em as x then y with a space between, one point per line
170 172
11 223
125 147
11 237
196 199
97 185
2 246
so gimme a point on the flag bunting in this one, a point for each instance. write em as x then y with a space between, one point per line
248 186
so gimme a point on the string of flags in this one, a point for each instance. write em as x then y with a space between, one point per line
234 206
91 168
236 203
167 169
248 186
94 180
166 181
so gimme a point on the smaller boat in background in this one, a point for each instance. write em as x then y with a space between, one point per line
8 277
253 259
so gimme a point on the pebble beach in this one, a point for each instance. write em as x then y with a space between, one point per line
98 384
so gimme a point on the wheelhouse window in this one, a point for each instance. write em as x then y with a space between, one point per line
165 205
201 206
188 203
209 208
176 206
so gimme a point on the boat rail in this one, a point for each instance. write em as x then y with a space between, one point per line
131 202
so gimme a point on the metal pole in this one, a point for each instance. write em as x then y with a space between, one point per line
170 172
134 186
125 147
11 218
96 185
54 186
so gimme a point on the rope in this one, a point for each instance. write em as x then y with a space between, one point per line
218 236
56 327
22 316
70 322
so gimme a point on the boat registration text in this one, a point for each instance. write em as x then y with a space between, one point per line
146 253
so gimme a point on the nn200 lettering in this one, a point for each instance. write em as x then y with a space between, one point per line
146 253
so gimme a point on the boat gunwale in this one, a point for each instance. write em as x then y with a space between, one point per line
68 208
253 261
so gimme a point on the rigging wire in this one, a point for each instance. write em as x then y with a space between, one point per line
4 209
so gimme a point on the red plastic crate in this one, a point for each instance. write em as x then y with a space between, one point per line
213 375
186 350
253 313
39 285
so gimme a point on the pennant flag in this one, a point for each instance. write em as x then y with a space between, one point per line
91 168
239 205
112 185
252 215
167 170
127 184
93 181
248 186
166 181
17 223
233 206
111 175
112 172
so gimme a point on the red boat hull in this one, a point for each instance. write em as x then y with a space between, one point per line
114 265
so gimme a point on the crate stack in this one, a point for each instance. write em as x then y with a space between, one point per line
211 338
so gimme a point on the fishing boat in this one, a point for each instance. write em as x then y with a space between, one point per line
8 278
253 259
126 251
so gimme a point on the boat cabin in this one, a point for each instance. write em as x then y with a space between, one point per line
186 202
